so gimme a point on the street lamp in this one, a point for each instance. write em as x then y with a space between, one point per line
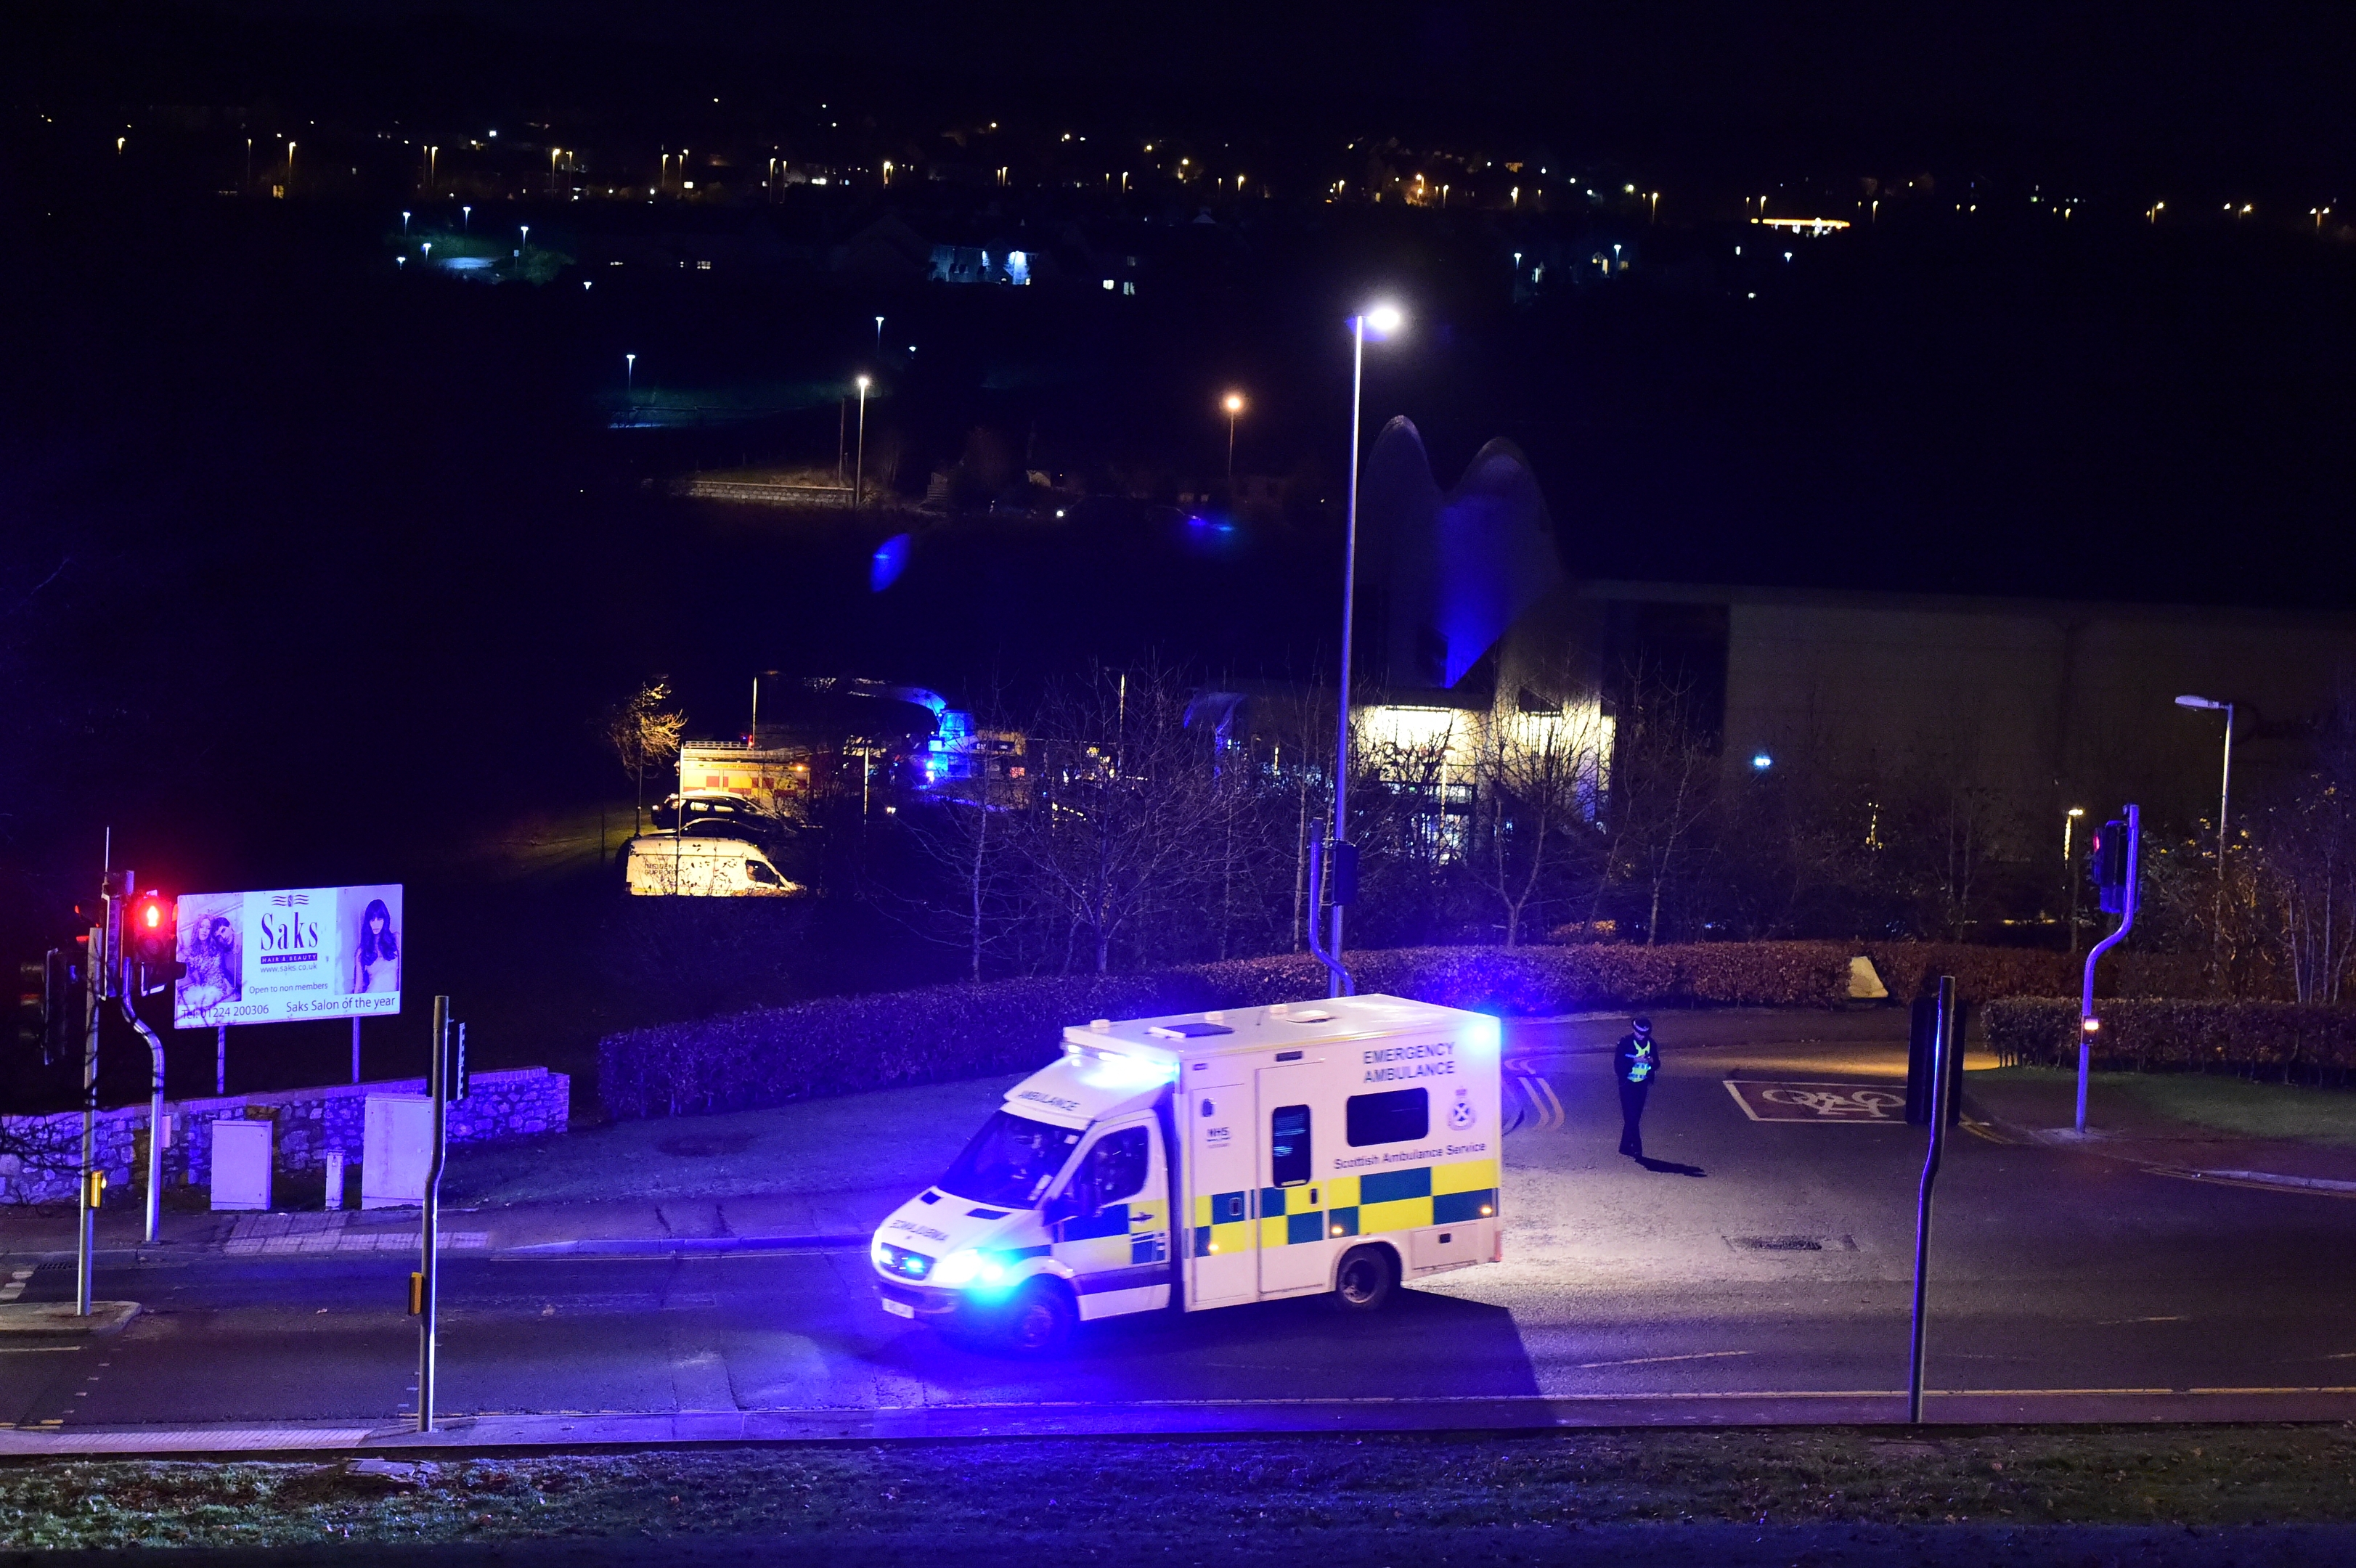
404 223
1234 404
525 244
2225 785
879 338
466 220
859 466
2069 827
629 374
1382 321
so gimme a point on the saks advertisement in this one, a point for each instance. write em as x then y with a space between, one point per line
291 952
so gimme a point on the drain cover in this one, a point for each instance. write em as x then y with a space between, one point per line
1792 1244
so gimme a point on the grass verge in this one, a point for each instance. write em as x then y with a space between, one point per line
2236 1107
1209 1489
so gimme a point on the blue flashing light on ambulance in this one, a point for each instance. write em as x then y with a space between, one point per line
1210 1159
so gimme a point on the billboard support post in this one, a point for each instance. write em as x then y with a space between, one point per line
355 1048
220 1060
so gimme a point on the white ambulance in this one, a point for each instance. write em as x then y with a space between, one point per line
1209 1160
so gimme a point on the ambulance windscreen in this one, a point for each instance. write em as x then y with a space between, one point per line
1010 1162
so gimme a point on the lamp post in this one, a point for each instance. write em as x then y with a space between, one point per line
629 374
466 220
859 465
879 338
2069 824
2225 783
1234 404
1382 320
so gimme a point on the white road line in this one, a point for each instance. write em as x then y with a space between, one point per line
1654 1361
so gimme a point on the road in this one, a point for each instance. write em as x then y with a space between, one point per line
1756 1269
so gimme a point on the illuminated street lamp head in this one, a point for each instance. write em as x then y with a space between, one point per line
862 383
2208 702
1233 403
2077 811
1383 320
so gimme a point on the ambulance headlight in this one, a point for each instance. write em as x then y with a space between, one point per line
971 1267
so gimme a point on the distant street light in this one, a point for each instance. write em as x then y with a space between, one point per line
466 220
1382 320
2225 785
2068 825
526 243
859 466
404 223
629 374
1234 404
879 338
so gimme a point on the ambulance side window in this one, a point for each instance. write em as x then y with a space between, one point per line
1288 1144
1392 1118
1116 1167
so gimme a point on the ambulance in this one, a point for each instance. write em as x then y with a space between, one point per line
1210 1159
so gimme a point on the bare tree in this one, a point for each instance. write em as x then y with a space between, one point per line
644 733
1125 803
1536 778
1661 789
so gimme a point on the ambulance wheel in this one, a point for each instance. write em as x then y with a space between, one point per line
1365 1279
1038 1320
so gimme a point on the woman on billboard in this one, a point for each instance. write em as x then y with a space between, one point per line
376 956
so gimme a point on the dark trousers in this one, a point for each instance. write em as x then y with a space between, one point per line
1632 1114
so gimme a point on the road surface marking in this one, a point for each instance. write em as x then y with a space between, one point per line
1654 1361
36 1350
1823 1105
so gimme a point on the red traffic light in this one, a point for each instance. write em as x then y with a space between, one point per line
154 931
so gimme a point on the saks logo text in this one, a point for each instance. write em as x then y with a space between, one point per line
287 938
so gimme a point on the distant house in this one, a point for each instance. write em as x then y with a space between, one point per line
887 249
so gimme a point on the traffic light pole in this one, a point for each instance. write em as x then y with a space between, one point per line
86 1217
2089 1022
1944 1046
154 1117
429 1246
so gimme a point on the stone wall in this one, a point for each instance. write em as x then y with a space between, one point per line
39 1154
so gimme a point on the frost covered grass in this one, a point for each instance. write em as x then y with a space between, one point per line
1201 1490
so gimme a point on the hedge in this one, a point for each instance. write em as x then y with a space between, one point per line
839 1045
1912 969
2278 1039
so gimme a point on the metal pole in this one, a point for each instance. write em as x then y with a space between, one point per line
428 1247
1349 593
1231 457
1942 1049
859 472
220 1060
2088 1023
85 1219
356 1022
2225 792
1341 982
155 1118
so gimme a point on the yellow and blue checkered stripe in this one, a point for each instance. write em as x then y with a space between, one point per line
1227 1223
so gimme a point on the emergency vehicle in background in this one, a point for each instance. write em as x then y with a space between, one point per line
1210 1159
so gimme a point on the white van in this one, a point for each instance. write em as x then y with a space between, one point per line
663 864
1209 1160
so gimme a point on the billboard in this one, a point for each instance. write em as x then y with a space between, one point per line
289 953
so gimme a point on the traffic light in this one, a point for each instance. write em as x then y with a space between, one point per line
2108 853
32 1004
153 936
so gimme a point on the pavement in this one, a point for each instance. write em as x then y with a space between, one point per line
1756 1268
2123 1128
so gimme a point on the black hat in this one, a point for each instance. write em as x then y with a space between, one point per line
1643 1025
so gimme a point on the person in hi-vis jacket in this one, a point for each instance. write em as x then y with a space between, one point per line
1637 1063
